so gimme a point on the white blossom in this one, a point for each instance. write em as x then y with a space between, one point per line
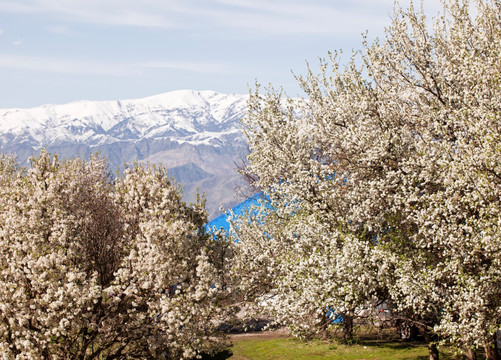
89 264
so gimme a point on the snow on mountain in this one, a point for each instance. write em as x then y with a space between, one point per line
189 116
195 130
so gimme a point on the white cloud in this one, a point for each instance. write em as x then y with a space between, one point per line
207 68
70 66
59 29
326 17
15 7
113 12
286 18
278 16
65 66
1 32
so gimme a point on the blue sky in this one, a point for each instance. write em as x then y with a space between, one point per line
56 51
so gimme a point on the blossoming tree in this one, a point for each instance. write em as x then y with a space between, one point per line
393 164
100 268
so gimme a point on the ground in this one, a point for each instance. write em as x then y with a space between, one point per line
278 345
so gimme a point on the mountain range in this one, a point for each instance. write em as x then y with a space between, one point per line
195 134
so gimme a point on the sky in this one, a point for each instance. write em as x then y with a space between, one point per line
58 51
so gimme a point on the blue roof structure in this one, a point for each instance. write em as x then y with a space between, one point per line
221 222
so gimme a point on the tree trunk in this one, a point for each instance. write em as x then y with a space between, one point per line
432 346
347 328
470 354
433 351
324 323
491 349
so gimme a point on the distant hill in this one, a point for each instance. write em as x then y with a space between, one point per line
188 173
193 133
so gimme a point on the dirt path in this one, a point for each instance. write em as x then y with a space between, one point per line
263 335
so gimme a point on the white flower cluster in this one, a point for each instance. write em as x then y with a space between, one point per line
95 267
385 181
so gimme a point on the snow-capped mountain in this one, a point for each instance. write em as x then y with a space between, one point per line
191 116
193 132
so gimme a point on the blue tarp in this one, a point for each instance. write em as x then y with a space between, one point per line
221 222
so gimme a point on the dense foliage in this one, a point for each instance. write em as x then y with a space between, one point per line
93 267
385 182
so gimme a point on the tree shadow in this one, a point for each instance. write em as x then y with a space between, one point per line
222 355
402 346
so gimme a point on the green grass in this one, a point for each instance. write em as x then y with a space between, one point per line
288 348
